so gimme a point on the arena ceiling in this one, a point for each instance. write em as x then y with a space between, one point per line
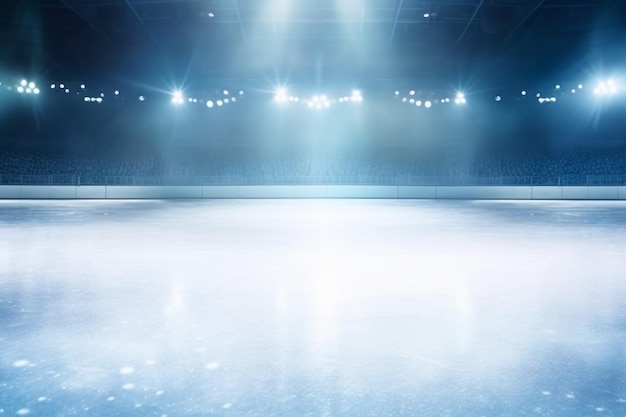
256 38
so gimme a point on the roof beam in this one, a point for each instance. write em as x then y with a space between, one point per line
85 19
143 24
243 31
395 20
528 12
470 21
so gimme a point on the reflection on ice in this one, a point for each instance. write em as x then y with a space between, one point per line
342 308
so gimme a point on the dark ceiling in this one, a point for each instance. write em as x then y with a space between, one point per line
306 38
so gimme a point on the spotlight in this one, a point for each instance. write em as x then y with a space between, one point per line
412 100
397 93
226 101
52 86
498 98
141 98
573 90
102 95
241 92
226 92
61 86
538 95
211 14
20 89
280 95
86 99
29 90
580 86
553 99
36 90
558 87
234 99
447 100
428 104
404 99
117 93
67 91
220 103
98 99
460 98
31 85
92 99
82 86
523 92
190 100
412 92
209 104
418 103
24 83
177 98
426 15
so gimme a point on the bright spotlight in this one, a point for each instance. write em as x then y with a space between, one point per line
404 99
211 14
31 85
540 100
580 86
573 90
102 95
209 104
219 103
538 95
426 15
558 87
241 92
447 100
226 92
52 86
553 99
234 99
98 99
23 83
82 86
190 100
29 90
117 93
177 98
418 103
61 86
460 98
523 92
86 99
93 99
280 95
141 98
428 104
498 98
67 91
397 93
226 101
412 100
412 92
20 89
36 90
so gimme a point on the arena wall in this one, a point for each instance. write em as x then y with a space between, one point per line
314 191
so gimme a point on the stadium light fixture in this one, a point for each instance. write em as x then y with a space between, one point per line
31 85
20 89
412 92
226 92
61 86
23 83
52 86
177 98
418 103
226 101
428 104
460 98
36 90
209 104
523 92
29 90
280 95
86 99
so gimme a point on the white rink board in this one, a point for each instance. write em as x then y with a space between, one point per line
314 191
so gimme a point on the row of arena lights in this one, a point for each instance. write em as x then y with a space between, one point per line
179 99
607 87
317 101
411 99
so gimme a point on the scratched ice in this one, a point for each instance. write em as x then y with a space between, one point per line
333 307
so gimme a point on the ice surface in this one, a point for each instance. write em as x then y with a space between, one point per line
312 308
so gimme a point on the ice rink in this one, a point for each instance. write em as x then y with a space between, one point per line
312 308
